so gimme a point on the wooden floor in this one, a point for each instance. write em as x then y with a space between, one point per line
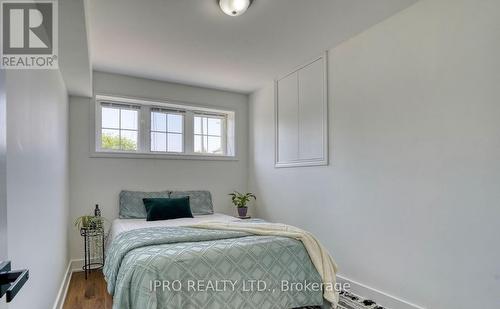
92 293
87 294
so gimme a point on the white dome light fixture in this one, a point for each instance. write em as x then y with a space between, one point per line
234 7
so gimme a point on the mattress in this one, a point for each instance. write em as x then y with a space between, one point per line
119 226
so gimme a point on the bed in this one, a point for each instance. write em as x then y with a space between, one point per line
171 264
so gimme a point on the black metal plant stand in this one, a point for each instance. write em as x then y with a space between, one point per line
93 239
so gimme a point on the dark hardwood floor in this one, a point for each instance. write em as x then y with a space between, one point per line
88 294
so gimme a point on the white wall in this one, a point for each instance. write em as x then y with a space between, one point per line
410 202
99 180
3 169
37 182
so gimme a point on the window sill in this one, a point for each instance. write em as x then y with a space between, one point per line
161 156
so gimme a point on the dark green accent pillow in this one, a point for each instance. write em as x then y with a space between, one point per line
167 208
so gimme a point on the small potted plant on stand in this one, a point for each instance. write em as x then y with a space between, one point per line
240 200
91 222
92 230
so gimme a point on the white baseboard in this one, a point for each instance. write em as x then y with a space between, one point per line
61 295
73 266
381 298
76 265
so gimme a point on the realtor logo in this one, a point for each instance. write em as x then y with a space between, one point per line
29 36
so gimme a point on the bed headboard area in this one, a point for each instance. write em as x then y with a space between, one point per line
132 206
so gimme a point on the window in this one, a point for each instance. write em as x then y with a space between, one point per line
119 127
166 131
208 134
141 128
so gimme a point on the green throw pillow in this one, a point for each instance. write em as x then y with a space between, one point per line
167 208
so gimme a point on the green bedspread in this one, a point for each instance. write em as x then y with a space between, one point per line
182 267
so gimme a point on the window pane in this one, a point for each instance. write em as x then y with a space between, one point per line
128 140
214 126
158 141
197 125
198 143
129 119
205 125
158 122
175 123
110 118
214 144
110 139
174 142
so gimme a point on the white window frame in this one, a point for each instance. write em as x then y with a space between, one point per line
120 106
189 110
168 112
224 120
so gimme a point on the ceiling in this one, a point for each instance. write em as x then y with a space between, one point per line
193 42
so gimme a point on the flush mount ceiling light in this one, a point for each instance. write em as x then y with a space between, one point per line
234 7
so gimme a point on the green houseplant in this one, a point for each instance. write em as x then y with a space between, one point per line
240 200
92 227
89 222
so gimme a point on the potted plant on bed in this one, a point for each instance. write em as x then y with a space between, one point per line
240 200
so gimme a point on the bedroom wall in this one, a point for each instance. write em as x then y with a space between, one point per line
99 180
409 204
37 182
3 169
